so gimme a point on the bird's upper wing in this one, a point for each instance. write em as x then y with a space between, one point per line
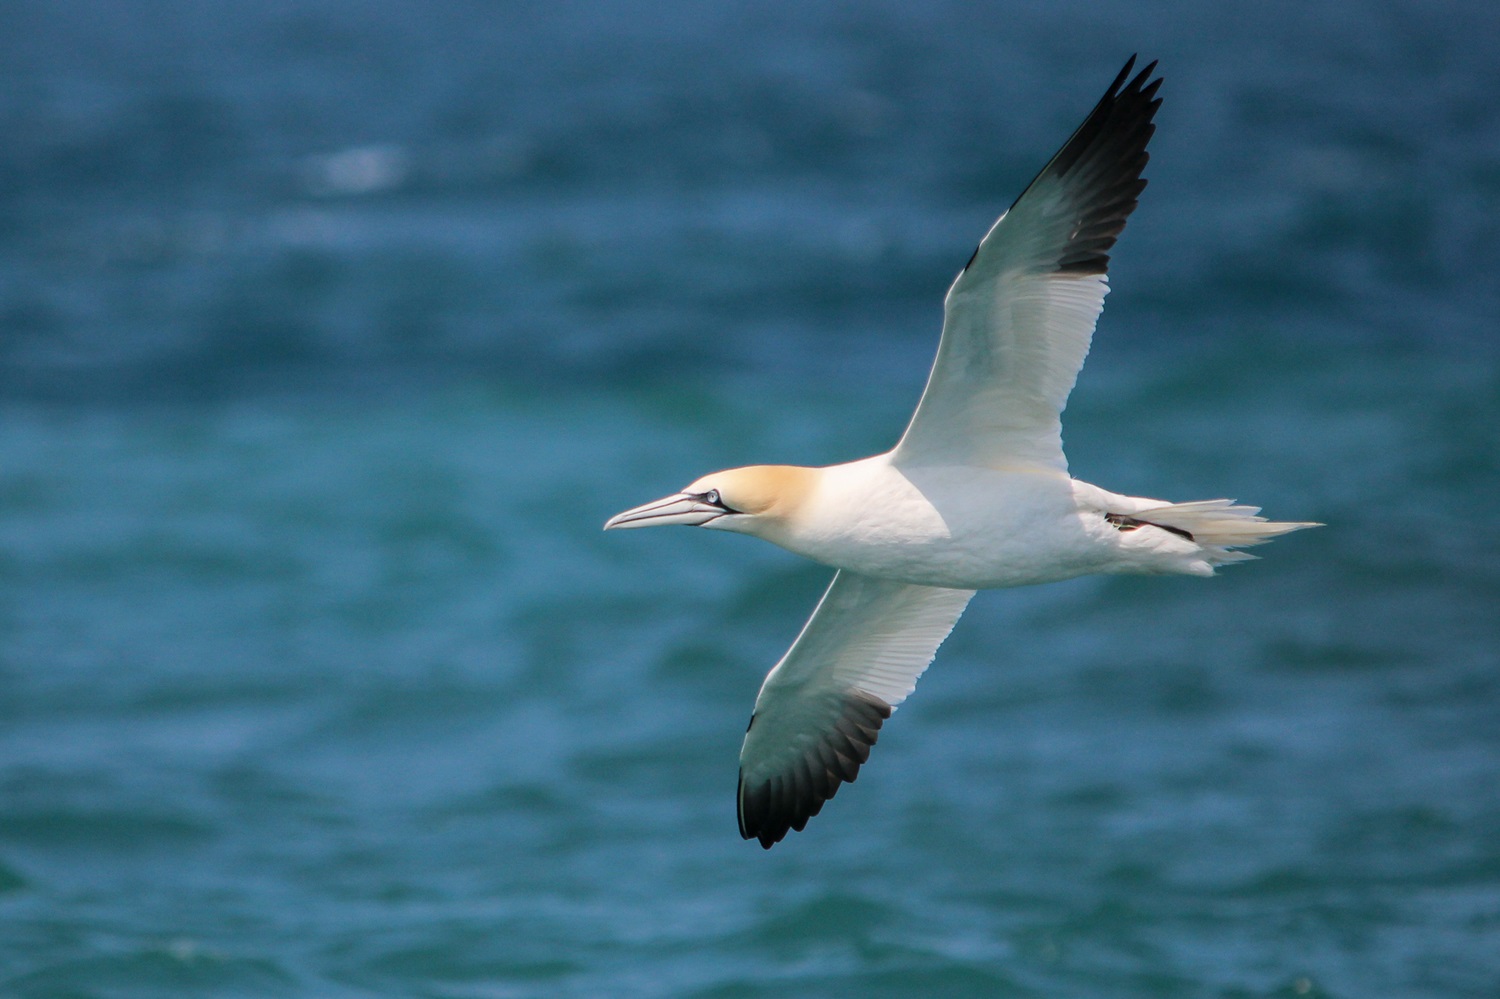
1018 320
820 710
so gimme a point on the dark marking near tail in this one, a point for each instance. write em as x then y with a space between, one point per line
1125 523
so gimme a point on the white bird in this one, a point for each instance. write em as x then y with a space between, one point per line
976 494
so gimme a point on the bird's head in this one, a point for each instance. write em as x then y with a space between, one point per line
749 500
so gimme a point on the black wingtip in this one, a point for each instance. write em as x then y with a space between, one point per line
785 802
1124 107
1111 141
1124 74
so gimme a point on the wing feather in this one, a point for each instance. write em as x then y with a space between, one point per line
820 710
1019 318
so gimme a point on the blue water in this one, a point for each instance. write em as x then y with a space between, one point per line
331 333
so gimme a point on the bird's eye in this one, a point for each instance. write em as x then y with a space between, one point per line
712 496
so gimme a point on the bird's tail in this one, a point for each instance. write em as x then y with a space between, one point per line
1220 525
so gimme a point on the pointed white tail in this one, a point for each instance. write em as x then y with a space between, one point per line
1219 525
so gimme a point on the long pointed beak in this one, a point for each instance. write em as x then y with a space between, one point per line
679 508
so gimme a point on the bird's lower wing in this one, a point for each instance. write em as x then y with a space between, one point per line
821 708
1018 320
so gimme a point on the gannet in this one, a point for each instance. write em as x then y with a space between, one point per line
976 494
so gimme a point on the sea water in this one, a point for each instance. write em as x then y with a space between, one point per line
331 333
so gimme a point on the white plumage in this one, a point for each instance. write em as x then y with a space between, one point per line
976 495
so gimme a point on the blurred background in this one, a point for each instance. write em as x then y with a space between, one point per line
331 332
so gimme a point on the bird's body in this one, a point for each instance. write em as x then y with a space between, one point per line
976 494
973 528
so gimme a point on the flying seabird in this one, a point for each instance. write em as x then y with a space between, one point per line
976 494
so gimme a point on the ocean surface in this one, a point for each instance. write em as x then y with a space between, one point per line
331 333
